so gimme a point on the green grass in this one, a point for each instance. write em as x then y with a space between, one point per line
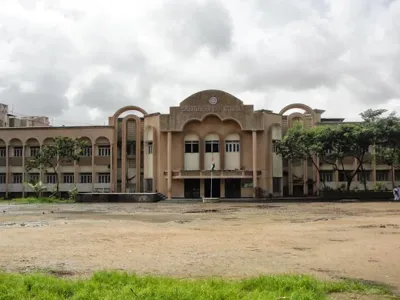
40 200
118 285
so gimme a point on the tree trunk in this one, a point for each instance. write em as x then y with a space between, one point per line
57 182
364 178
57 186
349 181
319 173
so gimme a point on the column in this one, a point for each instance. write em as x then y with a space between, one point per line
23 170
222 187
305 177
111 168
155 161
222 153
93 166
138 153
41 171
318 179
169 164
290 178
114 157
7 169
254 163
123 158
270 167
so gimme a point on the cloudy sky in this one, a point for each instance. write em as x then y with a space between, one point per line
78 61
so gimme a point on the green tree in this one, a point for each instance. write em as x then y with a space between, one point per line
387 141
300 143
52 156
343 141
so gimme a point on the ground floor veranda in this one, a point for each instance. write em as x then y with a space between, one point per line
195 188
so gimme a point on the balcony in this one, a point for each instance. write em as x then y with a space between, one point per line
187 174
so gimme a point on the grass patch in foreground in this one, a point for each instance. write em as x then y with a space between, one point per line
39 200
118 285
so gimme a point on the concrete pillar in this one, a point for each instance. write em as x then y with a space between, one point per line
111 167
93 165
41 171
23 170
290 178
222 188
169 164
114 157
7 168
138 153
318 179
305 177
254 163
123 157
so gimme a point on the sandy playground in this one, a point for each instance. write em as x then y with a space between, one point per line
329 240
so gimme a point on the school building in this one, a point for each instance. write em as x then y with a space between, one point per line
171 153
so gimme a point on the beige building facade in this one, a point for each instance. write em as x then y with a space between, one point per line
172 153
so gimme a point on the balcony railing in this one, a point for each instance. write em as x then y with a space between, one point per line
176 174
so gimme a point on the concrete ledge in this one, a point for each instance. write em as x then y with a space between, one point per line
118 197
357 195
211 200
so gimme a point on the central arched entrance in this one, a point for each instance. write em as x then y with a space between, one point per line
297 179
127 170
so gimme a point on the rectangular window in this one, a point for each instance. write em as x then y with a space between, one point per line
16 178
2 178
343 178
232 146
104 151
326 176
51 178
103 177
87 151
85 178
150 147
247 183
212 146
192 147
382 175
367 176
68 178
3 152
34 151
397 175
17 151
33 177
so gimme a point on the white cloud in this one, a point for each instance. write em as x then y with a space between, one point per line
69 59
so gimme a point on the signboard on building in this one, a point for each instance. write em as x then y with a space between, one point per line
211 108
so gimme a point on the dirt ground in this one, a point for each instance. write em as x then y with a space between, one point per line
357 240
